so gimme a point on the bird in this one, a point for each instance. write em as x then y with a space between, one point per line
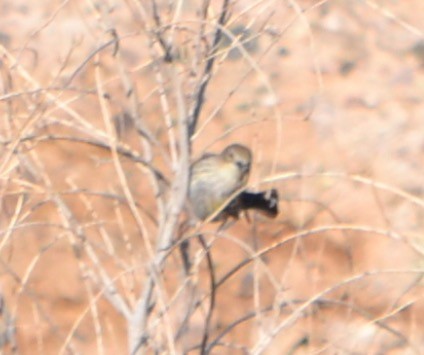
214 178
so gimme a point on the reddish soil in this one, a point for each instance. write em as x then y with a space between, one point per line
331 103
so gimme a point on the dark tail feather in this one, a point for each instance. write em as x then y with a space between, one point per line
265 202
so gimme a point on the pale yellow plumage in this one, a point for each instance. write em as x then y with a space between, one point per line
215 177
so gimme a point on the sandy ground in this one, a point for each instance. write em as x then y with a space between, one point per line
331 102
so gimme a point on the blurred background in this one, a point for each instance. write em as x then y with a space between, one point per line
327 94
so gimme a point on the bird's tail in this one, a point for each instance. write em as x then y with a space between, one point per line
265 202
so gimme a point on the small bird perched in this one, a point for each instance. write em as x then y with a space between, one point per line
215 177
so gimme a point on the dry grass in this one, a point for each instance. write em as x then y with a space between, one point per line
104 107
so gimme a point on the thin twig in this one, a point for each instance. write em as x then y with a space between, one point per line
199 95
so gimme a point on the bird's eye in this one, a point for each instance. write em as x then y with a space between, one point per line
241 165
